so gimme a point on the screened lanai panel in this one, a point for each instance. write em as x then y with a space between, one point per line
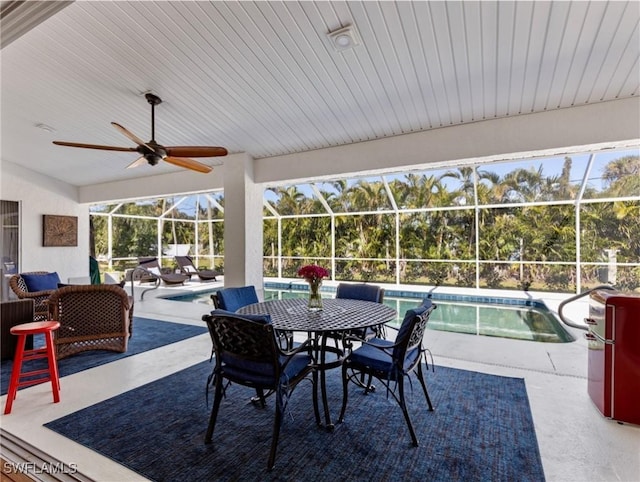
438 273
528 276
433 188
178 237
142 207
365 235
266 213
102 208
294 200
270 237
211 206
184 207
179 207
133 237
270 267
365 247
365 270
533 180
271 197
610 230
531 233
270 247
210 239
100 236
438 235
614 174
625 278
306 237
355 195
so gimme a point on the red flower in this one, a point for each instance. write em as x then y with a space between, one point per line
313 272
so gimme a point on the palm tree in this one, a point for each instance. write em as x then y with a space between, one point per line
622 177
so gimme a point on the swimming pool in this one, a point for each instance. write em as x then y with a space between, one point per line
477 315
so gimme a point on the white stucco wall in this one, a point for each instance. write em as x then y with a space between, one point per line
40 195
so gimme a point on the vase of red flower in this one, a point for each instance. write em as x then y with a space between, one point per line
314 274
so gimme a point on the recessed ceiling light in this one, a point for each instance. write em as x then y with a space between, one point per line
344 38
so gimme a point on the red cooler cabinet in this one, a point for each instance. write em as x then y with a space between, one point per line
614 354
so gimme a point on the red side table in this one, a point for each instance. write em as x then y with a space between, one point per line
22 331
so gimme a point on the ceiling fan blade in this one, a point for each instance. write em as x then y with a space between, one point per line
94 146
131 136
188 164
138 162
195 151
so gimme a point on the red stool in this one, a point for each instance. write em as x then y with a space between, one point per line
38 327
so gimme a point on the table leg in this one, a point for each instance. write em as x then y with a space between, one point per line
321 352
323 385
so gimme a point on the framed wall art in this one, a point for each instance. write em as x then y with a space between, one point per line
59 230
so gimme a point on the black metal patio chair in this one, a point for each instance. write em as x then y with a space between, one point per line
391 362
247 353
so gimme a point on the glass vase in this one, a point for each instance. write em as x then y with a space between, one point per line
315 300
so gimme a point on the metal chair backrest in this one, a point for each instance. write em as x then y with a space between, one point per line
246 350
411 334
232 299
360 291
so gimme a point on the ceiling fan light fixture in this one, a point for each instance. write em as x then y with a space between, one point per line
345 38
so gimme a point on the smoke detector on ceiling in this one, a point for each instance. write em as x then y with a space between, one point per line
345 38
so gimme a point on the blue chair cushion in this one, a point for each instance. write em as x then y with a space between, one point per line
299 362
232 299
41 282
378 359
262 374
368 356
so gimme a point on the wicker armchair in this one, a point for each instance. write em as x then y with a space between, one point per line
92 317
40 298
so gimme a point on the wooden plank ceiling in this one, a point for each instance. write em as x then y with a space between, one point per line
264 78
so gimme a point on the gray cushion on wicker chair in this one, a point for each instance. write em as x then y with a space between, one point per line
92 317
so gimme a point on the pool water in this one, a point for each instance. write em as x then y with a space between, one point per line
497 317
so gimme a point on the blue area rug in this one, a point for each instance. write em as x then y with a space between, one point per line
481 430
147 335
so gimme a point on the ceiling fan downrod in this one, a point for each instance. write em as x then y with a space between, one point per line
154 100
